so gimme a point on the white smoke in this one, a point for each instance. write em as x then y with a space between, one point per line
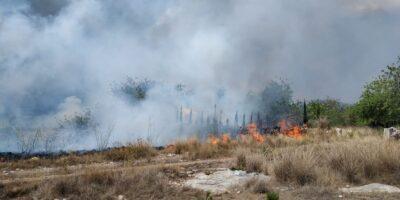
59 57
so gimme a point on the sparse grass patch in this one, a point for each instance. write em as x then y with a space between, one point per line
193 149
138 150
257 185
255 163
147 183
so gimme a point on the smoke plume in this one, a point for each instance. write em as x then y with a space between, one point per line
60 58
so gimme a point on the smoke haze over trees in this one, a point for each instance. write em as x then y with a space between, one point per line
59 59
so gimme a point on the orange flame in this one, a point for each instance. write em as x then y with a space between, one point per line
213 140
290 131
225 138
253 131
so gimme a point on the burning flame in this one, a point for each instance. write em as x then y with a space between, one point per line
225 139
290 131
253 132
213 140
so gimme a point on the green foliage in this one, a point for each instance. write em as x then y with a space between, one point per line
276 100
379 104
337 113
272 196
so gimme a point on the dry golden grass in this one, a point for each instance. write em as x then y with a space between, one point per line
321 158
250 161
193 149
138 150
133 151
258 185
353 158
149 183
294 165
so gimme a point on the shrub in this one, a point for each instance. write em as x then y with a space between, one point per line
255 163
380 100
257 185
65 187
272 196
295 165
241 159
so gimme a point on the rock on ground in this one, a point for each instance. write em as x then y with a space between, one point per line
373 187
220 181
391 133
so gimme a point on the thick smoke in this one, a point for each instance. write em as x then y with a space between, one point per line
58 58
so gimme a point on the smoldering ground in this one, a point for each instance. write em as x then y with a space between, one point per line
58 58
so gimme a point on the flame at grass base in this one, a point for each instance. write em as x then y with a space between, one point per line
289 130
225 139
253 132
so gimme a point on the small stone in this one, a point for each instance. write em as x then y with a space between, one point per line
340 196
35 158
238 192
120 197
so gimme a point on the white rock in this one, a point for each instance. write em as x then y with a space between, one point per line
373 187
339 131
220 181
391 132
120 197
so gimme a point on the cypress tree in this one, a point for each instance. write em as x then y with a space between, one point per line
305 117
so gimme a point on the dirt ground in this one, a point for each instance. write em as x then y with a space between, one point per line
177 170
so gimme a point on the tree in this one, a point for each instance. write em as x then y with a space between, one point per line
133 90
379 104
305 116
332 109
276 101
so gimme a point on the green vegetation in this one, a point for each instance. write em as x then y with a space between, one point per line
272 196
379 104
336 112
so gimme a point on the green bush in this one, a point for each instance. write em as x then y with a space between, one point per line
379 104
272 196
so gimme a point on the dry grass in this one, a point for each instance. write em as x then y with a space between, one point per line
331 161
295 165
133 151
258 185
321 158
150 183
250 161
138 150
193 149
